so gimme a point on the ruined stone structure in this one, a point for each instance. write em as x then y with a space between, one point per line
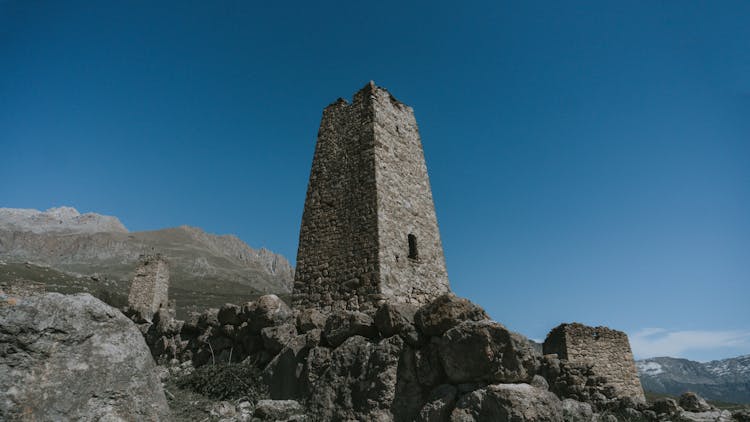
150 286
369 231
607 350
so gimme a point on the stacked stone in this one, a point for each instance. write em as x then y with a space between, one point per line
369 231
150 287
604 352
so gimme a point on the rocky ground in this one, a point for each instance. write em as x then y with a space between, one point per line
74 357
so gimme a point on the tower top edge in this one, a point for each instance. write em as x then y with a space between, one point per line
366 93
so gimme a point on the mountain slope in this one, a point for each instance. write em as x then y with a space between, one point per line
200 263
726 380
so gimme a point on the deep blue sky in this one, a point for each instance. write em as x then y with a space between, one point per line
590 161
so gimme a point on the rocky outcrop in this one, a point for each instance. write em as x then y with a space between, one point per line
74 358
508 402
486 351
402 365
446 312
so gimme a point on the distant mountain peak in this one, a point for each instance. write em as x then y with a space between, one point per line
58 219
727 379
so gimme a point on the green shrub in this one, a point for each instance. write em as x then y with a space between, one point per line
226 381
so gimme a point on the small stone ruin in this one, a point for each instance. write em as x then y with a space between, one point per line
150 287
605 351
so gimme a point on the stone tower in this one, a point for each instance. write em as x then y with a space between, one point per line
150 287
369 231
606 350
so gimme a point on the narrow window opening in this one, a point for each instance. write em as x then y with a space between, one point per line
413 253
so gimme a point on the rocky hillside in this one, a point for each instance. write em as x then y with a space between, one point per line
93 244
725 380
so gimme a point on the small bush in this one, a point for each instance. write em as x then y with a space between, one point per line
226 381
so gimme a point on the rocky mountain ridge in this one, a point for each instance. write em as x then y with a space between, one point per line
725 380
60 219
93 244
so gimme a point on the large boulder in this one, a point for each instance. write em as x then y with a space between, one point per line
693 402
279 410
74 358
356 381
485 351
310 319
344 324
267 311
439 405
508 402
283 375
446 312
395 318
277 337
576 411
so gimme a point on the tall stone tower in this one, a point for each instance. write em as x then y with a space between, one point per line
369 231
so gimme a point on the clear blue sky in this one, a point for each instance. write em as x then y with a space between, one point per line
590 161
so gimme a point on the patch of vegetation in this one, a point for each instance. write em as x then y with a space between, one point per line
226 381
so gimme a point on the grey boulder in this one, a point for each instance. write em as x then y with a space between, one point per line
446 312
345 324
74 358
508 402
485 351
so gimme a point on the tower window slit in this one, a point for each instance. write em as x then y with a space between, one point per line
413 253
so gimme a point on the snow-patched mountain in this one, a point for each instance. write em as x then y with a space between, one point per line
200 262
726 380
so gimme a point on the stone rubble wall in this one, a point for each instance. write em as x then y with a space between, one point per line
606 350
150 287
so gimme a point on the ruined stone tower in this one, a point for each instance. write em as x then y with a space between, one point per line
607 350
369 231
150 287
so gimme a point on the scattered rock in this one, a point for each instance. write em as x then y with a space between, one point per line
667 406
278 410
693 403
446 312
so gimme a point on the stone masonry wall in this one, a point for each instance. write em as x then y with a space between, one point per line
606 349
149 290
405 207
337 255
368 191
